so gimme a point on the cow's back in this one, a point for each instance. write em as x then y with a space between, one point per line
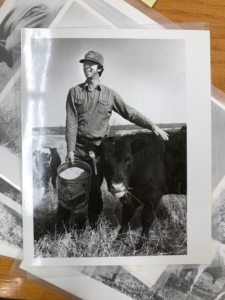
162 163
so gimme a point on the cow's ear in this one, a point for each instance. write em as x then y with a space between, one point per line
137 146
51 149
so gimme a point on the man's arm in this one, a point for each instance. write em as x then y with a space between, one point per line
71 125
134 116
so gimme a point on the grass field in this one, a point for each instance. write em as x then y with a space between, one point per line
204 289
10 120
127 284
11 226
9 191
167 234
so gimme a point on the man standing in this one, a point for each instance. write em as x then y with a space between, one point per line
89 107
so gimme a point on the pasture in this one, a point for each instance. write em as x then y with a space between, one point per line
127 284
9 191
10 120
204 289
11 227
168 234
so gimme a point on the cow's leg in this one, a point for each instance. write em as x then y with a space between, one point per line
128 210
148 214
54 176
196 273
182 276
62 218
147 217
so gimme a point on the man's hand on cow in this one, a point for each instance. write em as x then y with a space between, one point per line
70 157
160 132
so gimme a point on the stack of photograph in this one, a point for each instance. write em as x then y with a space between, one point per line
111 151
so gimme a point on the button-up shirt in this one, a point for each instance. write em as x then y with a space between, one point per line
89 112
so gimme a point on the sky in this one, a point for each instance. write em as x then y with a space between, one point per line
150 75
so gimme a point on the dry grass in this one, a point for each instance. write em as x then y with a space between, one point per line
5 75
10 191
126 284
10 120
202 290
218 219
168 234
11 227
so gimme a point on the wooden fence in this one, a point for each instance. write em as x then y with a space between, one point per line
114 129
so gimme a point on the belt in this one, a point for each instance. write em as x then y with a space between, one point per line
84 139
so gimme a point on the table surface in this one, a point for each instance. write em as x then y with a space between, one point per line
179 11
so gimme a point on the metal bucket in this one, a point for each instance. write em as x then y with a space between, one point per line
73 194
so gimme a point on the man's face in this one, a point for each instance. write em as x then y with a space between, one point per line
90 69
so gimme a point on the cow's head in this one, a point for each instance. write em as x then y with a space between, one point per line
42 162
116 157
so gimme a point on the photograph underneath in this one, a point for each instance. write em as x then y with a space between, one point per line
11 226
199 282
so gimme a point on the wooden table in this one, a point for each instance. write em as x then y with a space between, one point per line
211 12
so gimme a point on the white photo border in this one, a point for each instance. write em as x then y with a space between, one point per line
198 149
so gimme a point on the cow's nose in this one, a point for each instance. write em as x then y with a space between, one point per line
117 187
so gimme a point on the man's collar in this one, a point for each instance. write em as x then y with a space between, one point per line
99 86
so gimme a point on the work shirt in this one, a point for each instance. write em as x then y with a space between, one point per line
88 113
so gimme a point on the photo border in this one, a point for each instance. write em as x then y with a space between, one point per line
199 164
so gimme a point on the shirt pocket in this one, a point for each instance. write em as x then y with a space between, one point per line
80 105
103 105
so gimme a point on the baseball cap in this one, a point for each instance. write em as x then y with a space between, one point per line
93 56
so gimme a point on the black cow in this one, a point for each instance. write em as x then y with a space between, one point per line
47 160
140 168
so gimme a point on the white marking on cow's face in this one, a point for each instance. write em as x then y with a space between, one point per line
118 189
45 150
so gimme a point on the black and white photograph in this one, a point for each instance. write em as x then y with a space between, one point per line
199 281
121 280
22 14
11 168
204 281
11 234
10 120
9 190
10 99
11 222
218 141
105 146
75 13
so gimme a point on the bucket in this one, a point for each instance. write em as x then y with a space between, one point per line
73 193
